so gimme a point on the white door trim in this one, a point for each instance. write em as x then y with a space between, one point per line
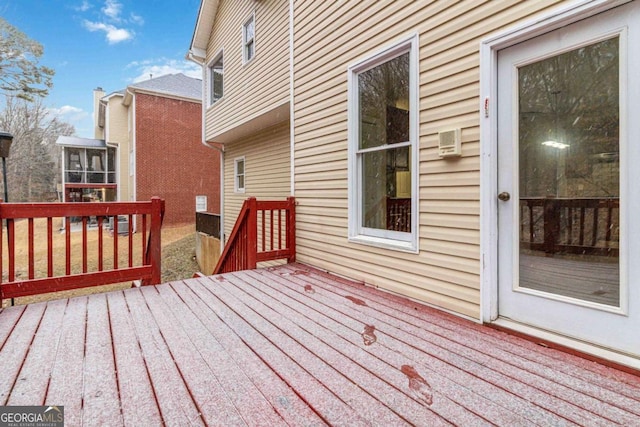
565 14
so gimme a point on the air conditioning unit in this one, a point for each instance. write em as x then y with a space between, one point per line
449 143
123 224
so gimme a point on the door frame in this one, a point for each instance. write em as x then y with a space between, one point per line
567 13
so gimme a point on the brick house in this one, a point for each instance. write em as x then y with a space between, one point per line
147 143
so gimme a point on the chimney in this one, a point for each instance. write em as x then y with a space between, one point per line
98 113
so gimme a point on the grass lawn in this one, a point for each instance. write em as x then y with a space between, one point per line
178 255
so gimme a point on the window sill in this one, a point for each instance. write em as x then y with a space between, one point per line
215 103
390 244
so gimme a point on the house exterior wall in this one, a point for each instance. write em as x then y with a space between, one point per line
328 38
261 84
171 161
267 171
116 133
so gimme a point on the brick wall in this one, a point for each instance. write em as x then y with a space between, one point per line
171 161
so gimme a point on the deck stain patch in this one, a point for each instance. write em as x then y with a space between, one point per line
309 289
356 301
418 385
368 335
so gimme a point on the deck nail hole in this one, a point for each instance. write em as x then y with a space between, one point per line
309 289
418 385
368 335
356 301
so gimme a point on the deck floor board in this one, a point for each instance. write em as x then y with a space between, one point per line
66 379
291 345
467 388
473 355
286 403
136 394
33 379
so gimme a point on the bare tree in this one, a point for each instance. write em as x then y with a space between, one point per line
31 171
20 74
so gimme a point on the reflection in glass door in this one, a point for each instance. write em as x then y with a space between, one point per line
569 174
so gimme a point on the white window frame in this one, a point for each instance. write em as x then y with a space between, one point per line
245 41
236 175
357 233
217 57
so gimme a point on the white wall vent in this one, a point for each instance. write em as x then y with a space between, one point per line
449 143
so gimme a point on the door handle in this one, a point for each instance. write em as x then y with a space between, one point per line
504 196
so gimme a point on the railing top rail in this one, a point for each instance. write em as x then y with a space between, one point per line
272 204
570 198
35 210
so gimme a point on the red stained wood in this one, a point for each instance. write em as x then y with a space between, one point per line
66 377
259 348
176 404
100 395
30 248
138 401
246 364
148 272
38 362
84 245
258 218
49 247
204 387
16 347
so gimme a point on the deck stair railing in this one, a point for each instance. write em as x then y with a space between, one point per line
264 231
58 277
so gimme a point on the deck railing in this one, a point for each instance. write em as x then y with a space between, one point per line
63 277
570 225
264 231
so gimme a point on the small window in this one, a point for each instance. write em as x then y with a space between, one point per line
383 143
239 175
248 40
216 83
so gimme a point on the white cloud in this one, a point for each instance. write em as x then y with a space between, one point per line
112 9
110 21
114 34
163 66
136 19
69 113
84 6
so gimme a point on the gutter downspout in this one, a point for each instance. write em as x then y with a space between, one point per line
220 149
291 104
133 150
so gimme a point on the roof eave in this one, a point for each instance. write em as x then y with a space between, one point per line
204 23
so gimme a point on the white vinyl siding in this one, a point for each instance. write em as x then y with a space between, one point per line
267 170
254 90
328 38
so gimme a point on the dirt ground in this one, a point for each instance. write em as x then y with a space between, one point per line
178 255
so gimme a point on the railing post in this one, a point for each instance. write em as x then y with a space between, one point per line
551 225
252 233
155 251
291 228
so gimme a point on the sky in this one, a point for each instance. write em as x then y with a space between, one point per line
104 43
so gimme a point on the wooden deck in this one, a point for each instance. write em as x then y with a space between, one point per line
290 345
595 281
